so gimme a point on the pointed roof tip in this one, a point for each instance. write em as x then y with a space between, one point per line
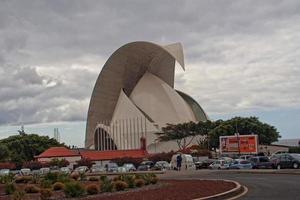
176 50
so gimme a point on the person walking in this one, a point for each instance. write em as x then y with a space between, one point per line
178 162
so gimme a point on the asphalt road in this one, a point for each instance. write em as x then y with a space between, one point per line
260 186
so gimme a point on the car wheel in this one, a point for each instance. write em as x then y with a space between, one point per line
278 167
295 165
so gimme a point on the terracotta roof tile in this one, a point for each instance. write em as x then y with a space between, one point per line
109 155
57 152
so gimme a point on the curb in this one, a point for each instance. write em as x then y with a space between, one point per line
234 193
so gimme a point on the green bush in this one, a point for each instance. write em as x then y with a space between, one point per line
120 185
153 180
139 182
6 179
129 179
92 189
23 179
93 178
18 195
106 184
73 189
45 194
63 178
9 188
294 150
58 186
35 179
46 183
31 189
51 176
148 178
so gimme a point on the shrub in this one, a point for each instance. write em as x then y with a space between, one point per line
63 178
92 189
18 195
93 178
51 176
75 176
161 156
7 165
58 186
73 189
120 185
134 161
9 188
129 179
139 182
23 179
153 180
32 165
6 179
45 194
46 183
31 189
35 179
149 178
85 162
59 162
106 184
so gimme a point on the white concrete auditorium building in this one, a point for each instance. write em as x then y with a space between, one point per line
134 97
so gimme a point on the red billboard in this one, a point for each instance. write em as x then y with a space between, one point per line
244 144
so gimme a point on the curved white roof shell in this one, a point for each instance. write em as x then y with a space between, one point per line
138 79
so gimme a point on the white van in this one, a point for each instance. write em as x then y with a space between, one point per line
186 164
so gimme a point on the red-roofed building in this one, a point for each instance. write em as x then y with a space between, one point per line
59 153
97 156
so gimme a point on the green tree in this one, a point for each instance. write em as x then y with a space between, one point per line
4 153
25 147
244 126
183 134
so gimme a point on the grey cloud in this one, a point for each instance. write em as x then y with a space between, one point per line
240 55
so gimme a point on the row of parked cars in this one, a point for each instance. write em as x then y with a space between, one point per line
96 168
277 161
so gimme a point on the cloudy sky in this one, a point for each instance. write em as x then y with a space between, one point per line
242 57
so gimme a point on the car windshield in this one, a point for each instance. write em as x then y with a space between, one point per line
263 159
112 165
243 162
296 156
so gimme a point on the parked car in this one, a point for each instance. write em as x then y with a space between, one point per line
219 164
187 162
162 165
145 166
25 172
279 152
240 164
261 162
129 167
289 160
65 170
81 169
97 168
44 170
246 157
111 167
4 172
204 164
